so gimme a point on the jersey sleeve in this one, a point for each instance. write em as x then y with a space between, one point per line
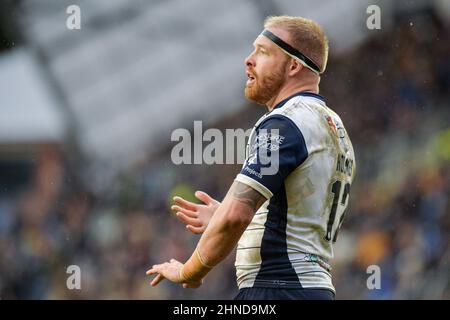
274 151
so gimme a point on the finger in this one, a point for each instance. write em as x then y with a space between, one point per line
153 269
189 213
204 197
157 280
195 230
184 203
189 221
160 268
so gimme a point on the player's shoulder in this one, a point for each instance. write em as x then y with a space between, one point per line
307 111
309 115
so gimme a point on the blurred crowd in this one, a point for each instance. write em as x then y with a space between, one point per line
393 95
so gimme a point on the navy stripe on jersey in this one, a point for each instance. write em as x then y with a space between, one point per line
291 147
276 269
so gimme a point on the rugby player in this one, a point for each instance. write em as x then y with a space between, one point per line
285 222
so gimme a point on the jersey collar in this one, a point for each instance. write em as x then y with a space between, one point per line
303 94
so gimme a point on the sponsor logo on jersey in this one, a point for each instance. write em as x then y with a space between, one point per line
332 125
338 129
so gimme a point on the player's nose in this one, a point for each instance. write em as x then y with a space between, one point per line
249 61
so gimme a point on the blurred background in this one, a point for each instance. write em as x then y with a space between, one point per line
86 116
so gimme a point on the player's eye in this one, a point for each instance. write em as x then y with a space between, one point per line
263 51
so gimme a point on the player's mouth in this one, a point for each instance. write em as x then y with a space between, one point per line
250 78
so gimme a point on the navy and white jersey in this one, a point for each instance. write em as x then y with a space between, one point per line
290 239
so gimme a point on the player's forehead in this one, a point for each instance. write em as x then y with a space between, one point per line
262 42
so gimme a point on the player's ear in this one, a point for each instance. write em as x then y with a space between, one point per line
294 67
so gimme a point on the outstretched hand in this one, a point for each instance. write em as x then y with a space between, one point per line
170 271
195 216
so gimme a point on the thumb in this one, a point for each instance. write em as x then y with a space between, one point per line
204 197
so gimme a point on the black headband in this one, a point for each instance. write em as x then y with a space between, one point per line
291 50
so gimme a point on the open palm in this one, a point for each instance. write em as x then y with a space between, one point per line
195 216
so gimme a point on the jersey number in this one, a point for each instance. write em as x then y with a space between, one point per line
336 190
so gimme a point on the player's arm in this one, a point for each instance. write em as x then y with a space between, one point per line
224 230
246 195
220 237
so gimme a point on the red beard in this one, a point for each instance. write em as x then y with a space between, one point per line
264 88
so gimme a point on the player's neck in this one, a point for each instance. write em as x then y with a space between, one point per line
290 90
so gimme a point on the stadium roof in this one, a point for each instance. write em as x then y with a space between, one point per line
28 111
